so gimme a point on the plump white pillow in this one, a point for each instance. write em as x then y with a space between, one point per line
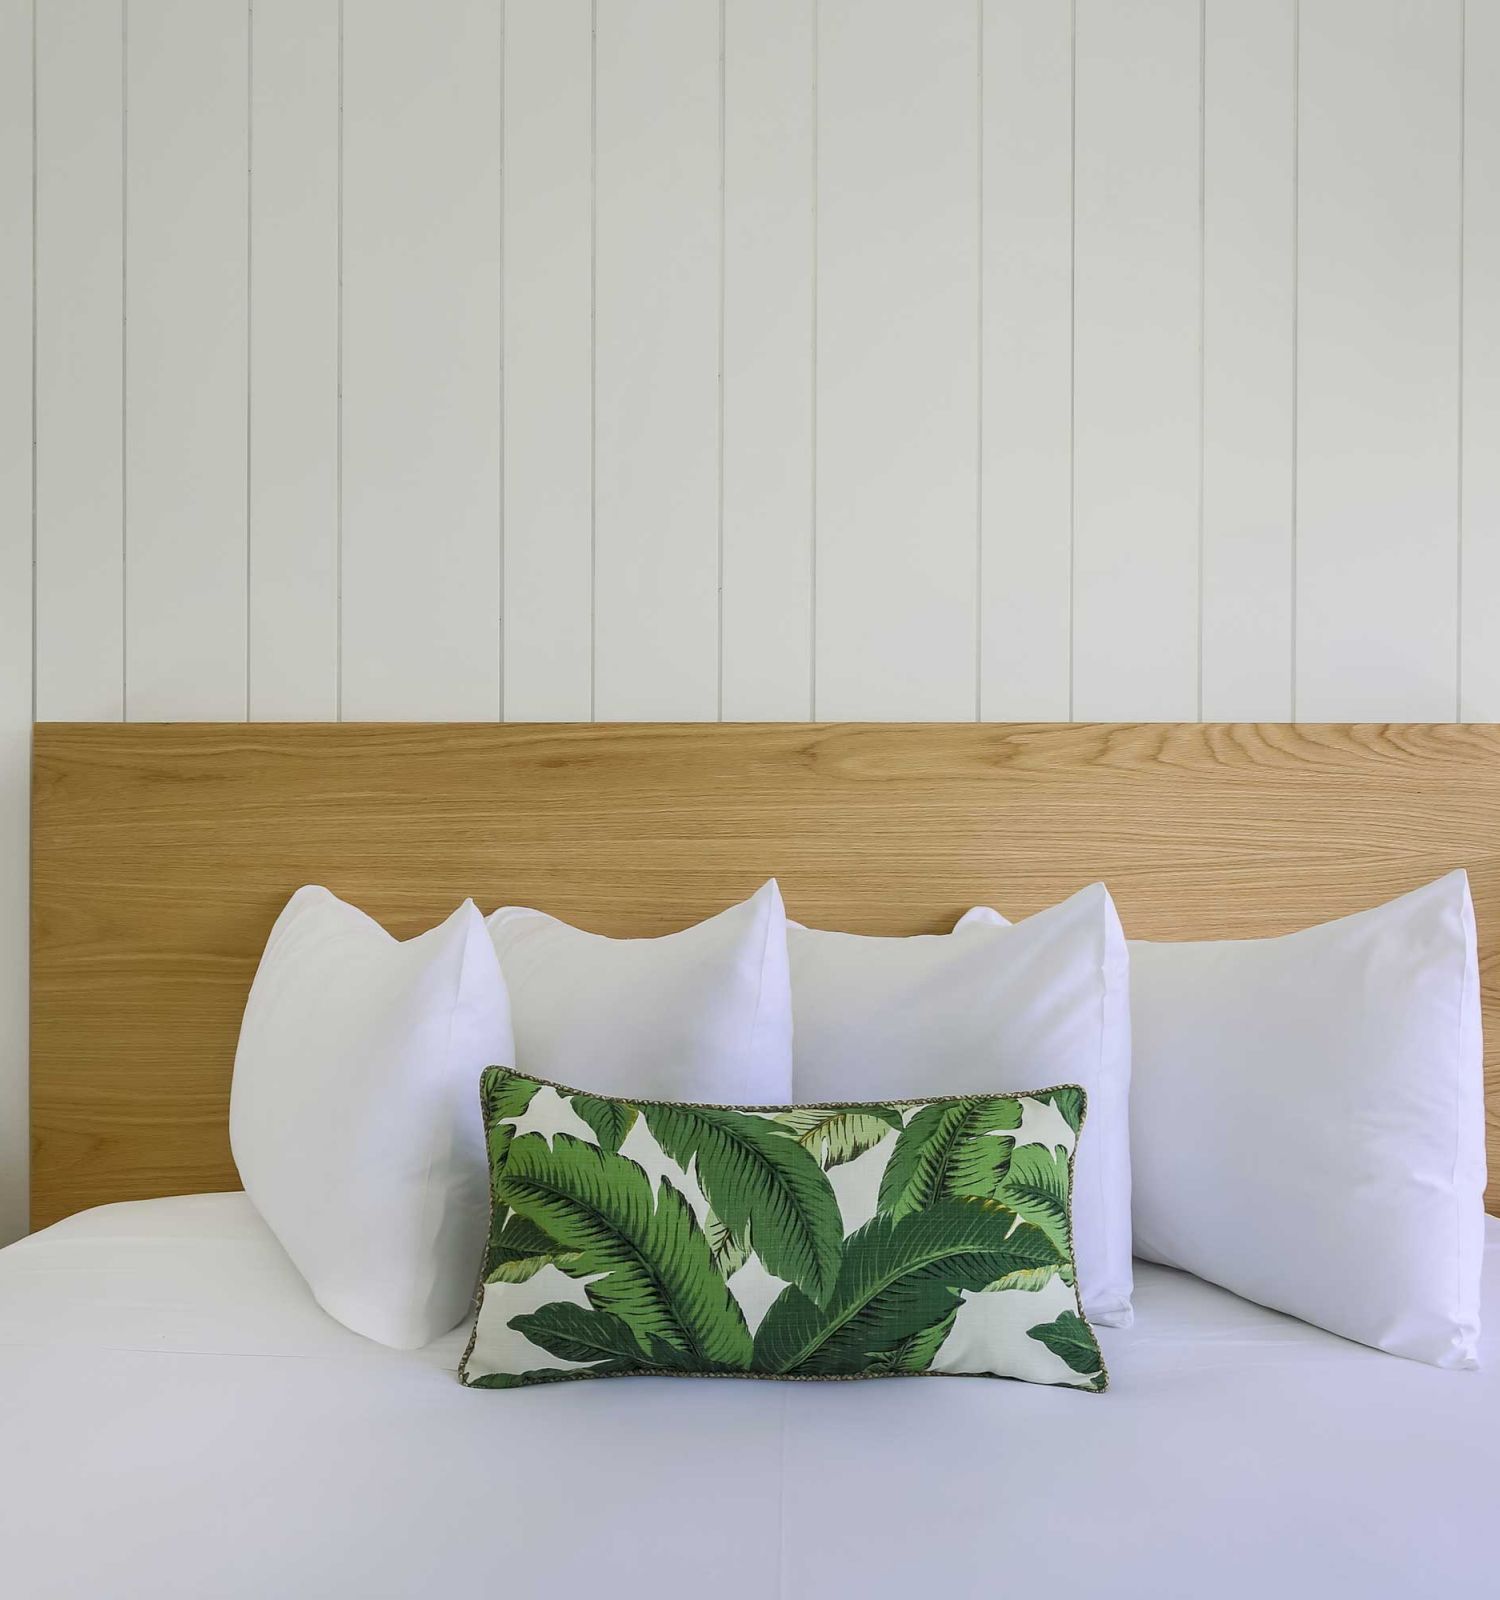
1307 1125
990 1008
1308 1120
354 1116
703 1014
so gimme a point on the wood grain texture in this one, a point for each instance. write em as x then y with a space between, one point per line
162 854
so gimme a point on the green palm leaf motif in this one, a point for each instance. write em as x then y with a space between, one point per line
833 1136
917 1352
580 1333
649 1253
1070 1337
899 1276
729 1249
520 1250
1029 1278
964 1203
755 1175
584 1334
504 1094
950 1150
1036 1189
611 1120
1070 1101
497 1143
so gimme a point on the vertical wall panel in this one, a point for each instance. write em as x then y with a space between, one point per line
421 428
768 365
1136 360
15 598
80 580
548 243
187 149
1480 666
656 458
820 230
1249 360
294 223
898 346
1378 360
1027 452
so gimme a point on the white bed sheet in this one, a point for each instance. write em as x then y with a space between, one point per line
178 1418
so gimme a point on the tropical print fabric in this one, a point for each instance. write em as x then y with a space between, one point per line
849 1241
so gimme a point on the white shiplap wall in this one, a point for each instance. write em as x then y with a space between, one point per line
743 358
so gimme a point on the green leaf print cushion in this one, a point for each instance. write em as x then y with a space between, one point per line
646 1237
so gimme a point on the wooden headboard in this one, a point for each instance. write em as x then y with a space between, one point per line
161 854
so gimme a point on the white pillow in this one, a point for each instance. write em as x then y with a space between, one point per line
1309 1120
354 1115
704 1014
988 1009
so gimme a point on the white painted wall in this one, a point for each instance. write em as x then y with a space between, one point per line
743 358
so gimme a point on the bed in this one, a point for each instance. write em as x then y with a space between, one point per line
177 1416
159 1356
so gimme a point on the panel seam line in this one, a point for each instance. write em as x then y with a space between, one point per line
812 543
1463 117
33 486
593 360
979 380
1296 333
500 453
249 322
1202 318
338 489
723 230
1072 354
125 361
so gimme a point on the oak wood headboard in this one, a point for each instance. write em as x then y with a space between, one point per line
161 854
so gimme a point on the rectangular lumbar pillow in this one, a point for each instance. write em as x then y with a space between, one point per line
647 1237
987 1008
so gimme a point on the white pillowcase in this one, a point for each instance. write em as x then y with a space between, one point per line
704 1014
1309 1120
354 1116
988 1009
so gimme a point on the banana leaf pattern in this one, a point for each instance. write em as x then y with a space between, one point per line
849 1241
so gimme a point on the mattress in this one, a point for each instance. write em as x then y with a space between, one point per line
178 1418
